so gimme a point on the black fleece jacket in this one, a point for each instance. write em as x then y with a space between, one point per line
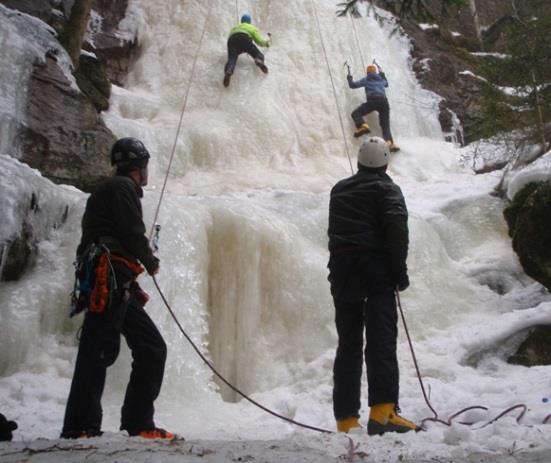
113 216
367 212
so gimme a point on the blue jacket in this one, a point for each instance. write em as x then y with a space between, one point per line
373 83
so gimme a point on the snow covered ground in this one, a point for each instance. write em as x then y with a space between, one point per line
243 256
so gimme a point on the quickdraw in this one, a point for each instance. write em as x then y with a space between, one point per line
95 279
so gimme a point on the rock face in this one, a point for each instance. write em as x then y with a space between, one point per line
114 46
443 62
60 131
528 218
65 137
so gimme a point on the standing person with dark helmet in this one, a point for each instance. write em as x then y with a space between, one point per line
374 84
242 39
368 246
114 248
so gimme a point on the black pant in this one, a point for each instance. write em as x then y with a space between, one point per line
98 349
379 104
364 298
237 44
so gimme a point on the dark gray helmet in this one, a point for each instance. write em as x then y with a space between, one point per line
129 152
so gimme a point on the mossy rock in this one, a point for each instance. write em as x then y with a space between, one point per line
512 210
535 349
529 220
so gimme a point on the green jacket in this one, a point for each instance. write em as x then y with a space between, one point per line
252 32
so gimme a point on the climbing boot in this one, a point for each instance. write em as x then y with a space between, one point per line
227 78
362 130
155 433
392 147
261 65
347 424
84 434
384 418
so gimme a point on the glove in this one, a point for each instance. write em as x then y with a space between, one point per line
402 282
382 74
349 78
269 40
153 266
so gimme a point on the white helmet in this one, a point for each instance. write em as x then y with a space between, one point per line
374 152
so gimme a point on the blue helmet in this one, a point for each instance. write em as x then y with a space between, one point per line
246 18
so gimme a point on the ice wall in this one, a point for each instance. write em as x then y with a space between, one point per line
244 218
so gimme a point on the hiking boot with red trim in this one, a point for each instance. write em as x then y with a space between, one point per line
155 433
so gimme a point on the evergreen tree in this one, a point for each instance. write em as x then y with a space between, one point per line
527 70
417 9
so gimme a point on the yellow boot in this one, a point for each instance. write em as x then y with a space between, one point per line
362 130
347 424
383 418
392 147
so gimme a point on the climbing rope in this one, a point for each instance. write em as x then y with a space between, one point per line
180 121
224 380
333 85
357 41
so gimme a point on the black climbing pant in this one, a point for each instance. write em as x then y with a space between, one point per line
98 349
241 43
364 300
379 104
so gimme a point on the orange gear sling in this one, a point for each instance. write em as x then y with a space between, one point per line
100 296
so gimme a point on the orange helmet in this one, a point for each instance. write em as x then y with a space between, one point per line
371 68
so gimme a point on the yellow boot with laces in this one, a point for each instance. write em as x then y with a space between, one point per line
384 418
347 424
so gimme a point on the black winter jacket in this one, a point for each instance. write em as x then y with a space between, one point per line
113 216
367 212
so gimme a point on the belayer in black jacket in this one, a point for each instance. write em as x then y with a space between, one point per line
368 246
114 242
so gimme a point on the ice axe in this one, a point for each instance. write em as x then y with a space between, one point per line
347 67
378 65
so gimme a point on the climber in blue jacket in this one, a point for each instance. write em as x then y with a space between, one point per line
374 83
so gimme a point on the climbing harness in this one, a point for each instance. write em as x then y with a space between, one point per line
332 85
95 279
224 380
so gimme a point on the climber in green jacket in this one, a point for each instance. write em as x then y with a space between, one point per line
242 39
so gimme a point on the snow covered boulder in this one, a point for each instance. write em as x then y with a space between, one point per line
528 217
